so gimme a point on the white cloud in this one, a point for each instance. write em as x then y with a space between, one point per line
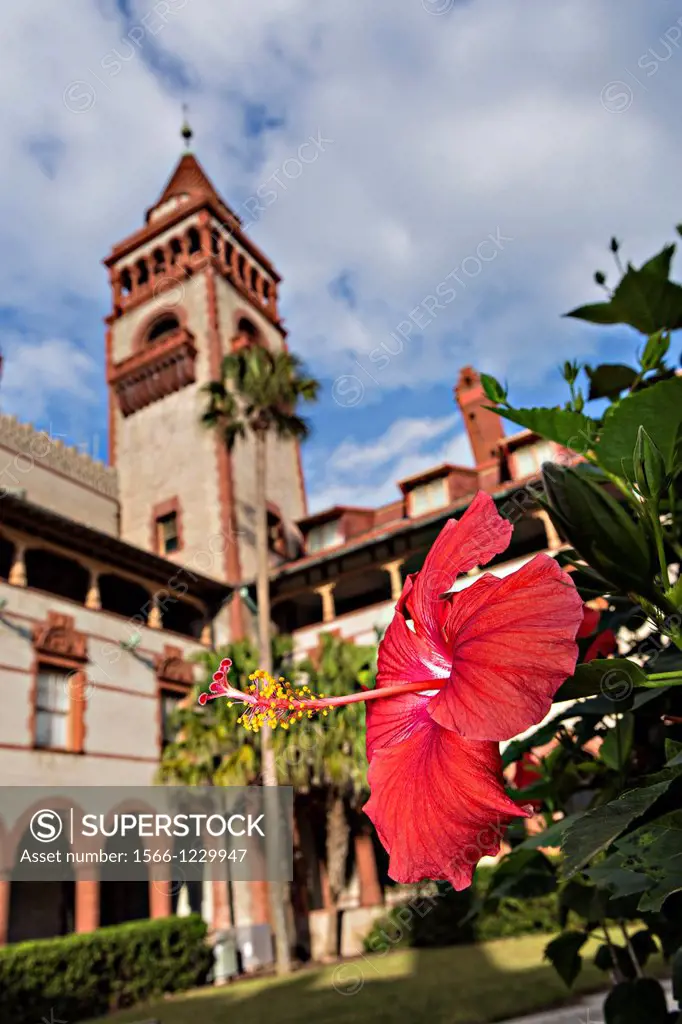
444 130
34 373
355 473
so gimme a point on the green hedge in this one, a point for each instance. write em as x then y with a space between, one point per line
442 921
81 976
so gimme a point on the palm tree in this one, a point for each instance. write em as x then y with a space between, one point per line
320 756
258 395
335 763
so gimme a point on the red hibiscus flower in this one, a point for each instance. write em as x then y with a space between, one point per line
470 669
604 644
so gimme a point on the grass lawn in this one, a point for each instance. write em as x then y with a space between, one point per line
459 985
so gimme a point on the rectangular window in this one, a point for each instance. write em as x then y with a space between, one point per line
53 705
167 533
328 535
428 497
529 460
169 702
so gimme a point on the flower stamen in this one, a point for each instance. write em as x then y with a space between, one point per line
275 702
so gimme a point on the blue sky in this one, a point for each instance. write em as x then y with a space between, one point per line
479 151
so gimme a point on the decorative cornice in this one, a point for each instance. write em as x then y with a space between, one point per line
58 638
172 668
154 372
39 448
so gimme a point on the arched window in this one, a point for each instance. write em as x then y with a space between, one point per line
194 240
247 329
159 261
142 272
162 327
241 268
126 282
215 242
175 250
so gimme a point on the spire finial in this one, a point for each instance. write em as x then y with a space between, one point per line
186 132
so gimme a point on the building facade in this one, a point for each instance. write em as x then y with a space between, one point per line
111 577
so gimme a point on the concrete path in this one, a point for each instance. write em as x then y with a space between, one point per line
587 1011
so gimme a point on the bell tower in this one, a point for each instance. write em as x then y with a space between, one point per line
186 287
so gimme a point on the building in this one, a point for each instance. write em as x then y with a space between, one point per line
110 576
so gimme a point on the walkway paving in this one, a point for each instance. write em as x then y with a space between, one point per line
587 1011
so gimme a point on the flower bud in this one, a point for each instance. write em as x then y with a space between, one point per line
649 466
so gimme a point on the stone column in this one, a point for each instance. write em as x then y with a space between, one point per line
368 876
221 918
17 574
92 599
87 905
155 619
259 892
160 897
5 890
393 570
326 592
554 541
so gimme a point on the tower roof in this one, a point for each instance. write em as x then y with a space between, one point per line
188 178
189 182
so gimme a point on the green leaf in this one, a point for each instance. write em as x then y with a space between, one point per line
645 299
552 836
658 409
571 429
587 901
643 946
636 1002
661 263
523 874
599 527
609 380
617 746
494 391
603 958
615 678
564 955
595 830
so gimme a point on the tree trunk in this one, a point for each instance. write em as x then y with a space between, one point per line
338 833
278 890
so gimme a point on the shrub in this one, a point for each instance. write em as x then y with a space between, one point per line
444 922
80 976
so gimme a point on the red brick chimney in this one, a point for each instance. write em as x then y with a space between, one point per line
483 427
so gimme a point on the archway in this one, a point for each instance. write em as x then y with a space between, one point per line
41 909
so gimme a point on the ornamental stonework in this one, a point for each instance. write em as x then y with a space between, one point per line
58 637
151 374
36 447
172 668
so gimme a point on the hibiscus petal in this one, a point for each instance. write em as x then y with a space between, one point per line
463 543
513 645
405 657
438 802
591 617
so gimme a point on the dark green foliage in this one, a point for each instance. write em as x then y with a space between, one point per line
634 1002
447 919
564 955
78 977
608 380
